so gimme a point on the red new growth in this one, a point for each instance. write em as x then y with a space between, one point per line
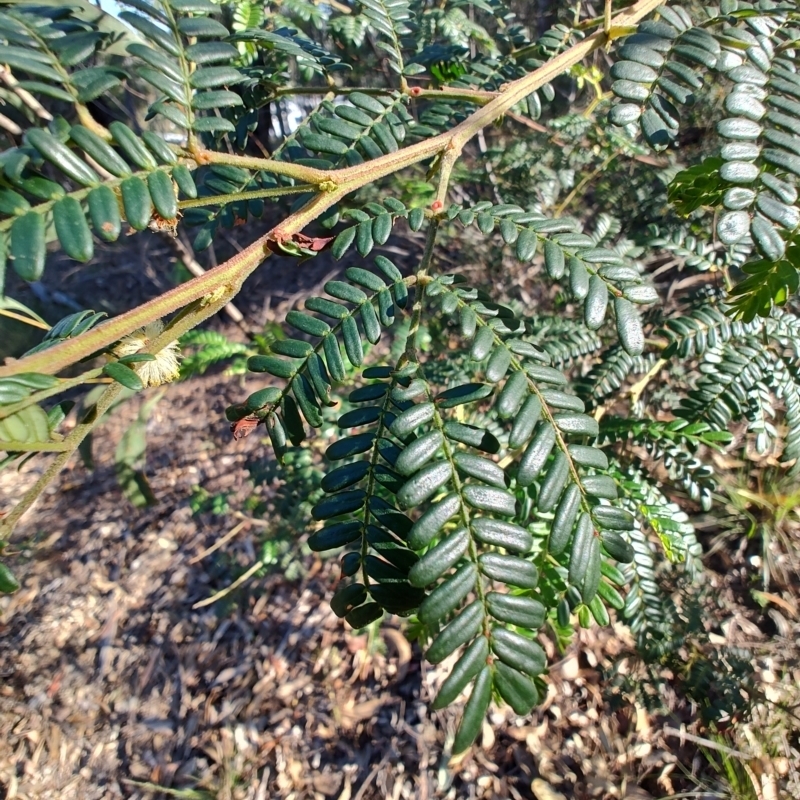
244 427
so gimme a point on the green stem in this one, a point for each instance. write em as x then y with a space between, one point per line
580 187
286 168
255 194
479 96
374 461
421 281
37 397
464 510
33 447
517 365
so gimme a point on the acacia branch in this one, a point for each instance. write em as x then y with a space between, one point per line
335 185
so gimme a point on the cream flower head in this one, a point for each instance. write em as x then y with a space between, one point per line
164 369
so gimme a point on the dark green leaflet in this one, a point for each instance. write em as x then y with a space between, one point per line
27 246
480 468
498 365
564 519
472 660
613 574
591 579
535 455
124 375
294 348
364 615
489 498
274 366
344 476
459 395
347 598
613 518
554 482
163 194
474 711
525 422
432 521
132 146
596 302
517 651
472 436
62 157
104 213
424 484
136 202
516 610
629 326
448 595
502 534
456 633
610 595
333 536
511 570
599 611
419 452
350 446
588 456
512 395
263 397
516 689
563 613
183 177
581 546
342 503
72 229
413 418
617 547
8 583
100 151
439 559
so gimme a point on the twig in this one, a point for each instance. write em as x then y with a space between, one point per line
488 166
583 183
362 790
27 320
259 523
228 589
10 125
226 538
638 387
27 98
532 124
689 737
